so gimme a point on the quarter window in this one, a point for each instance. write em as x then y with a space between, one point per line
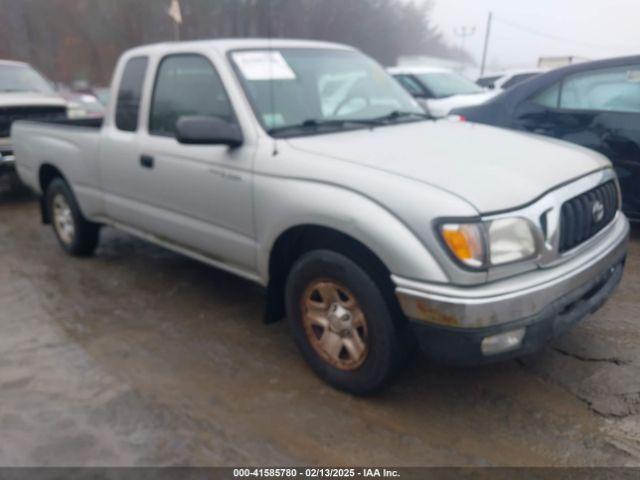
614 90
186 85
130 94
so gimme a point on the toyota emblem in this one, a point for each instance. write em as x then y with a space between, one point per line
597 210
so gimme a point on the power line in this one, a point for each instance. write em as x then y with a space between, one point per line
538 33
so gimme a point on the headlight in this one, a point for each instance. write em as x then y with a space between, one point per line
510 240
492 243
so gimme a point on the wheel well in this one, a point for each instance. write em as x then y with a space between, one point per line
297 241
46 175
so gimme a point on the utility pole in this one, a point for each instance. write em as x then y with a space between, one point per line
463 33
487 36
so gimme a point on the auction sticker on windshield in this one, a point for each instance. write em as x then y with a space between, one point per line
262 65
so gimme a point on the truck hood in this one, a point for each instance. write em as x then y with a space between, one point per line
442 107
31 99
491 168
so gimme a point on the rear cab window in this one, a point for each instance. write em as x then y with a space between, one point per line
130 94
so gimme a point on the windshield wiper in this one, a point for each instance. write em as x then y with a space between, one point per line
314 125
399 115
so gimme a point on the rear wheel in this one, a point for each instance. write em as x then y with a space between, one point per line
76 235
341 322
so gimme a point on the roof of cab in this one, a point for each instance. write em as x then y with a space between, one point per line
228 44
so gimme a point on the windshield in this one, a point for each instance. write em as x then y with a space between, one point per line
447 84
20 78
320 88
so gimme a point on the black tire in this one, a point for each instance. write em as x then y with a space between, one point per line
385 346
86 234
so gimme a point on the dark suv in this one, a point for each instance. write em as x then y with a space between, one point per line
594 104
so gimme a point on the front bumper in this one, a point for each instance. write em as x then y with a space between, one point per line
451 323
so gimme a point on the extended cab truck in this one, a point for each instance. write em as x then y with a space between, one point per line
304 167
24 94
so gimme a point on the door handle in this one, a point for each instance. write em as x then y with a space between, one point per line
146 161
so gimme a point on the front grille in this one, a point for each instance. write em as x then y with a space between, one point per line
10 115
584 216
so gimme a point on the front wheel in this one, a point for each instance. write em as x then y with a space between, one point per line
342 323
76 235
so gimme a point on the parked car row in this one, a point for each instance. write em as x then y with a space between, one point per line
440 90
83 104
507 79
593 104
26 94
304 167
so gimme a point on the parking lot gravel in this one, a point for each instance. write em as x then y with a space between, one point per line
139 356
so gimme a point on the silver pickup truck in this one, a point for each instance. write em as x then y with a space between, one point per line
304 167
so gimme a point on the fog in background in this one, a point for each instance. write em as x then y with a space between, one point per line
73 40
81 39
523 30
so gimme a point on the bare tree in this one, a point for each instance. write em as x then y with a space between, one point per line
81 39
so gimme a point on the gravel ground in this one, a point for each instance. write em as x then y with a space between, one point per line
139 356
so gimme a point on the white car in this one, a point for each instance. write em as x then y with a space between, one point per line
507 79
440 90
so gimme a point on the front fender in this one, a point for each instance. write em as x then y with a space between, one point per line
284 203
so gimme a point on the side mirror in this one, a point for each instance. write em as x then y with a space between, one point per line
207 131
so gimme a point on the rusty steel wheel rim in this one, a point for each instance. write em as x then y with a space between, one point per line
335 325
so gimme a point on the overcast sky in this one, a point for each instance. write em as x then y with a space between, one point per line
524 30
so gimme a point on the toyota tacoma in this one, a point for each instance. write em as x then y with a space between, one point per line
304 167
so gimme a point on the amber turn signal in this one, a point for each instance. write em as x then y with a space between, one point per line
465 242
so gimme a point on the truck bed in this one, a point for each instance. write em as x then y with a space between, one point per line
70 146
